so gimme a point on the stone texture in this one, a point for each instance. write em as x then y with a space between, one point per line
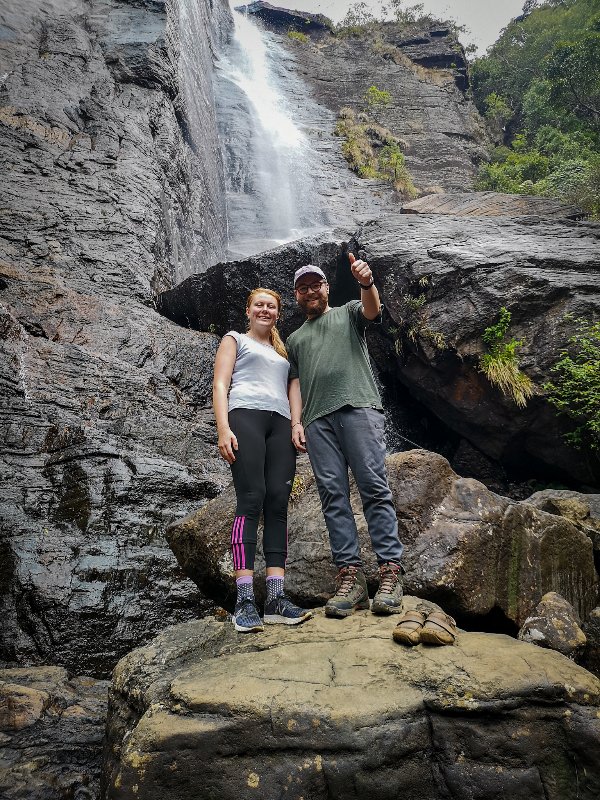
554 624
591 630
51 731
283 18
106 432
474 552
338 710
425 72
490 204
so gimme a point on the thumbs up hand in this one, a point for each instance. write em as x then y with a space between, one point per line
361 271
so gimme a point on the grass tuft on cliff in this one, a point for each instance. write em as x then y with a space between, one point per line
372 151
500 364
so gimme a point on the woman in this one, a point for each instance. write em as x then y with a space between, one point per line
253 424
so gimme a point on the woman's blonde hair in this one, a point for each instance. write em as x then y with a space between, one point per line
274 336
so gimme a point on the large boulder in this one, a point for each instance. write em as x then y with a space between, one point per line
473 551
583 510
51 732
337 711
554 624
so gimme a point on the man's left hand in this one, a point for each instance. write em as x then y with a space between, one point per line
361 270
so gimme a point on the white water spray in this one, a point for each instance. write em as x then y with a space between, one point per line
270 196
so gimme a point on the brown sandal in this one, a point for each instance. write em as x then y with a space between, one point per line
408 629
439 629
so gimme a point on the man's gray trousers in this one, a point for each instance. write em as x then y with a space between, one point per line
353 437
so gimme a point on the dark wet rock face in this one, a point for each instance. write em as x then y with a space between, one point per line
425 73
279 18
479 555
51 731
336 710
106 431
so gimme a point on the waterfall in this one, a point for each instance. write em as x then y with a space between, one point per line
268 160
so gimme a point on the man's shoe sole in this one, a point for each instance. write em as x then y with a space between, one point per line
385 609
340 613
277 619
242 629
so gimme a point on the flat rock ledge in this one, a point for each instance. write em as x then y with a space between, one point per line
337 709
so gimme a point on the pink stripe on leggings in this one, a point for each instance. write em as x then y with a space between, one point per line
237 546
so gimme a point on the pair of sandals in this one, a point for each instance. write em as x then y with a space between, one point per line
436 628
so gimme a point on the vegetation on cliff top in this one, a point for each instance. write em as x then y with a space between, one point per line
539 88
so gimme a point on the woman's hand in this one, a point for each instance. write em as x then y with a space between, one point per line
298 438
227 444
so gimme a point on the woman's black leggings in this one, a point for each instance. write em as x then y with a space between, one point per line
263 472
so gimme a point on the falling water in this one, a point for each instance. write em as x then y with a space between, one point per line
270 196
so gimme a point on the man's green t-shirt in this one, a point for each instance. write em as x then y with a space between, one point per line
329 354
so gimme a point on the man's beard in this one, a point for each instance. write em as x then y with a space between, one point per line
315 309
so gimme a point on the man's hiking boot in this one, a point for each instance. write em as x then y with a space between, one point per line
246 618
388 599
281 611
351 593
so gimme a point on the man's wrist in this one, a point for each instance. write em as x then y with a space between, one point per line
366 286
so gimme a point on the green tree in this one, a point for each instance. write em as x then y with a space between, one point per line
573 70
575 389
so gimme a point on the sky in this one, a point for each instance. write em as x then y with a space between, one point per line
484 18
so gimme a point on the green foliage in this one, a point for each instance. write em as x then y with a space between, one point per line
357 18
360 18
385 161
501 363
296 36
557 165
413 323
377 98
520 55
497 109
573 70
575 390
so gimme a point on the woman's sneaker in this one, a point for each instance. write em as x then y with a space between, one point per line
246 618
281 611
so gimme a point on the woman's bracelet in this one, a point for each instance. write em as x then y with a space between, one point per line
296 423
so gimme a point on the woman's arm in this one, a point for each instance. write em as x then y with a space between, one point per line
224 364
295 399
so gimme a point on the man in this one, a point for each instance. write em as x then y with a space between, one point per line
337 417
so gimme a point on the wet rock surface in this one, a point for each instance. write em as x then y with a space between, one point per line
554 624
338 710
279 18
591 630
425 73
106 433
477 554
51 732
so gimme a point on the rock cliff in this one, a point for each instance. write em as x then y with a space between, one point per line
425 72
105 437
